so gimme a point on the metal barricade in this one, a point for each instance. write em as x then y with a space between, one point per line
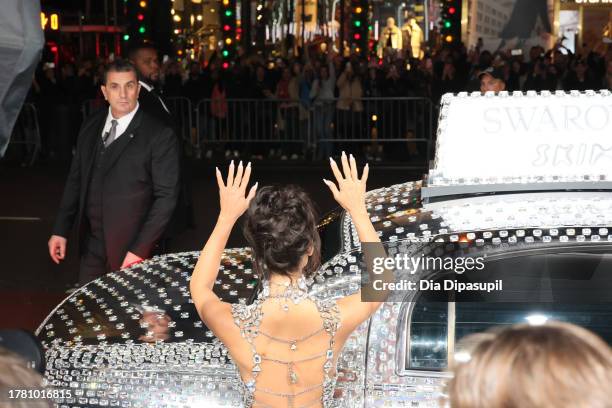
26 133
293 128
259 125
405 123
181 110
402 127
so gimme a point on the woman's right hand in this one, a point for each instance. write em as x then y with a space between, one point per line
233 198
350 191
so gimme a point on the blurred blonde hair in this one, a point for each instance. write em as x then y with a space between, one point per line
16 374
552 365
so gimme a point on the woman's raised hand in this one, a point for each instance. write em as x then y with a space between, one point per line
350 191
232 194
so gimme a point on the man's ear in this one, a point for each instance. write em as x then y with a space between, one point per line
138 90
310 250
103 88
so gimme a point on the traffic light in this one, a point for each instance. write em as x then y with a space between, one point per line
359 26
229 32
140 16
451 21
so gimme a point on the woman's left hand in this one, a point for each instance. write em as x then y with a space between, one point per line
232 193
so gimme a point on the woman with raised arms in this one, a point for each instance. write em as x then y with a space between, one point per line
286 343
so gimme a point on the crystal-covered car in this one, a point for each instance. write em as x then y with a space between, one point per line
134 339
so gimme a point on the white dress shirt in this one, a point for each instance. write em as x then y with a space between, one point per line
122 123
150 88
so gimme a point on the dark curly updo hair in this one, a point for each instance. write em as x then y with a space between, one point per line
281 227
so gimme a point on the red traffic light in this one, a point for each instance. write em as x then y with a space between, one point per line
226 27
357 36
140 17
452 10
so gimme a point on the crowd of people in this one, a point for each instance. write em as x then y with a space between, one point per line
330 89
441 71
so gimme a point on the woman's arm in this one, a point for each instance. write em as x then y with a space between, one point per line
233 205
350 194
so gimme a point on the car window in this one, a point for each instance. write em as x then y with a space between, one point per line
330 231
428 336
433 317
477 317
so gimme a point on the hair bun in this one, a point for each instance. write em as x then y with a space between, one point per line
281 228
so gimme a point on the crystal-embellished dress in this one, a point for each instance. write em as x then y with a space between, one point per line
249 318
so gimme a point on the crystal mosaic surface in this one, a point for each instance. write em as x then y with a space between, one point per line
134 339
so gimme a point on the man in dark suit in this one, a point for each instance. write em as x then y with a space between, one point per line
145 58
123 182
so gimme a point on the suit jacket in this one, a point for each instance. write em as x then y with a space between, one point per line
183 213
151 104
141 184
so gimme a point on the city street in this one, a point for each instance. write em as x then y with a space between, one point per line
30 202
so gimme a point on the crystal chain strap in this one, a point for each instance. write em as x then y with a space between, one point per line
292 375
291 397
296 292
292 342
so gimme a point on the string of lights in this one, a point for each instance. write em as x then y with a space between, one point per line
223 26
138 19
229 32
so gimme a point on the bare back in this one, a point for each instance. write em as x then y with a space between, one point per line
286 352
292 351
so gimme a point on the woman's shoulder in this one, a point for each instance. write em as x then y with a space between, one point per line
246 315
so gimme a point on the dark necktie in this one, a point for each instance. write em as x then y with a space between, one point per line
110 135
